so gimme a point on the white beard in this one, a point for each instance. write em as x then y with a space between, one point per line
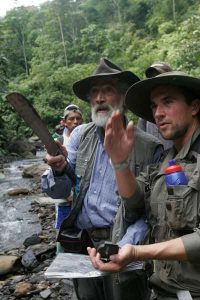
100 119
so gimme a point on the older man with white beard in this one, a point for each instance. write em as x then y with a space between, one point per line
97 207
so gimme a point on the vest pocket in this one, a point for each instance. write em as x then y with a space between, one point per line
182 208
81 167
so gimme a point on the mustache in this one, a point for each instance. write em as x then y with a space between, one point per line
101 106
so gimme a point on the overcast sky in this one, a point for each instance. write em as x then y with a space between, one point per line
6 5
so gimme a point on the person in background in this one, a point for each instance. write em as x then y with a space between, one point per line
97 207
172 101
72 117
155 69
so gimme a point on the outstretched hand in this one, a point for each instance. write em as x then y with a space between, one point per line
118 140
117 262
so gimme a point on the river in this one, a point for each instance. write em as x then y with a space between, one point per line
17 220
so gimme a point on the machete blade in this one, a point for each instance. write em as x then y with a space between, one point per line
25 109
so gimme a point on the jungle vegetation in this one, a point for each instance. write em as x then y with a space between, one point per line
44 50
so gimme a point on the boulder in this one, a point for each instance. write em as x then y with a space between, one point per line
7 264
36 142
22 147
18 191
35 171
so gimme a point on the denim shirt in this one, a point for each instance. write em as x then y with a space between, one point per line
101 200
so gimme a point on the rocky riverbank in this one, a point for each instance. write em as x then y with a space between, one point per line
22 268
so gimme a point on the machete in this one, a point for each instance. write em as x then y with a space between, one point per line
25 109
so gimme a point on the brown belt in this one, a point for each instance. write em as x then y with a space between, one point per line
98 234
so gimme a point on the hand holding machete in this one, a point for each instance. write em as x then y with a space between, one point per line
57 153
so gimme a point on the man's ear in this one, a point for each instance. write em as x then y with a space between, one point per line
195 106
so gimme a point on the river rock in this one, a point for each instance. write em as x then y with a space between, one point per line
28 155
7 263
32 240
2 176
16 278
42 285
22 289
18 191
29 260
22 147
45 294
35 171
37 142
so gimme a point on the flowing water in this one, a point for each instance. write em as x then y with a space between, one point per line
17 220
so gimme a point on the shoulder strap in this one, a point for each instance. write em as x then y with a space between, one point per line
196 145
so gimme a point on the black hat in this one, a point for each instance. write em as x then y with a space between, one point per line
157 68
105 68
138 96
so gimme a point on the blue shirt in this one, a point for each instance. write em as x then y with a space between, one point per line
101 200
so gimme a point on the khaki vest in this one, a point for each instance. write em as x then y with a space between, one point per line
173 212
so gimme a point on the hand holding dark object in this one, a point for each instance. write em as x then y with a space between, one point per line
107 249
58 162
117 261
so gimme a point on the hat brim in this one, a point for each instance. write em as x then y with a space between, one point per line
138 98
82 87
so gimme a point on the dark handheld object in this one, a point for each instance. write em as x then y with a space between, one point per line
174 175
106 249
25 109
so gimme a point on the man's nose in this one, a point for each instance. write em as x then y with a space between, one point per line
100 96
76 121
159 111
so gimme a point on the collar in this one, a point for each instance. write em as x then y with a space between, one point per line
182 154
186 148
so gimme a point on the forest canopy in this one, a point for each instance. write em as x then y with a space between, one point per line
43 51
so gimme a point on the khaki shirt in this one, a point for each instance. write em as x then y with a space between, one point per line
174 213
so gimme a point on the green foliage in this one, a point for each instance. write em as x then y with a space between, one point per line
43 51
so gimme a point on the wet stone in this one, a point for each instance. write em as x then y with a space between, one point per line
22 289
36 218
45 294
32 240
17 278
43 285
65 290
36 278
7 264
38 268
29 260
18 191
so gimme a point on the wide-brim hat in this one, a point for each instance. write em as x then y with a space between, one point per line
138 95
157 68
105 68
